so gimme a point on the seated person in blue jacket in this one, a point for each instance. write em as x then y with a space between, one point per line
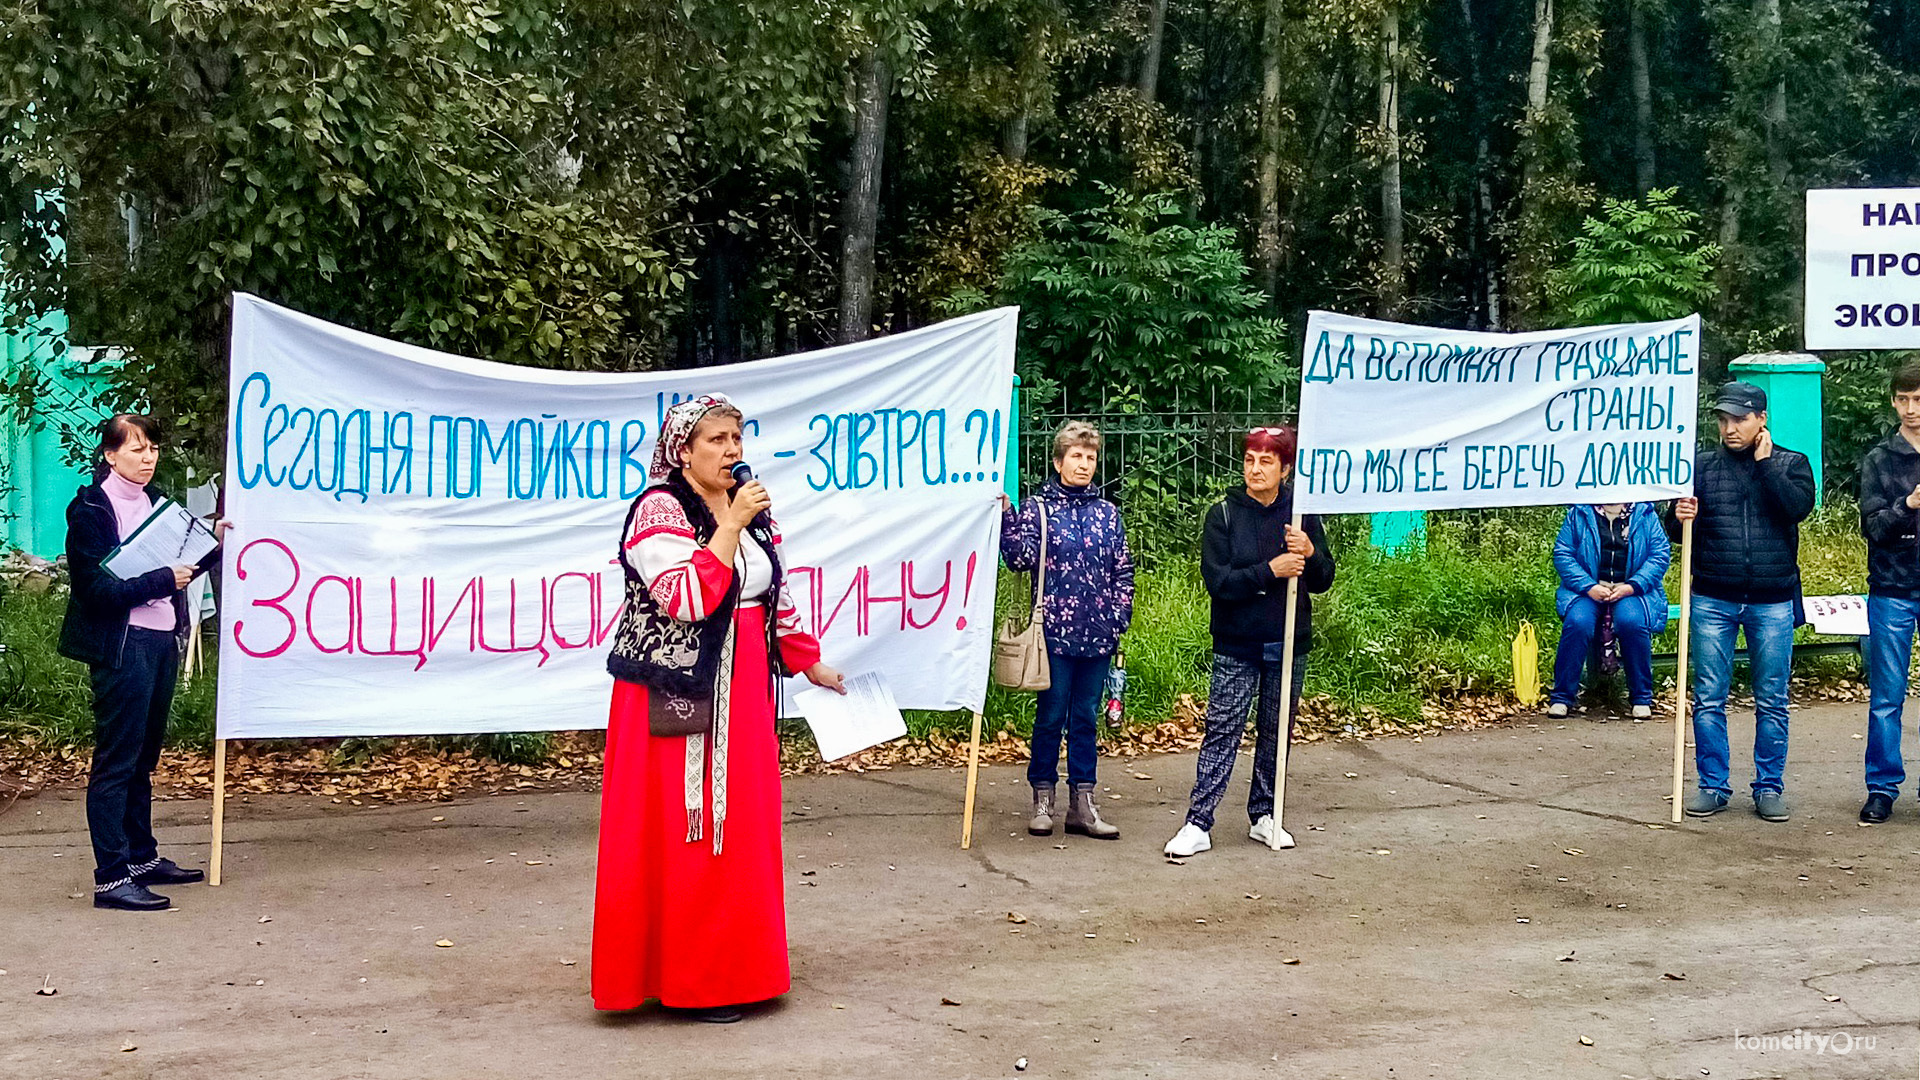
1612 560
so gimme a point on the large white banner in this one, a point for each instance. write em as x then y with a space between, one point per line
1398 417
1863 268
425 543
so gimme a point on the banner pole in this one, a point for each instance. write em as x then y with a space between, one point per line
1680 677
219 808
1284 736
973 779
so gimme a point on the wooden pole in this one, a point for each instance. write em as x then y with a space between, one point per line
1680 677
1281 752
973 780
219 808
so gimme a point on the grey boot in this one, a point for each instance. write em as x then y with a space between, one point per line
1042 823
1084 818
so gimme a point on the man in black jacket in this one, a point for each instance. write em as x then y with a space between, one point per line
1889 509
1750 496
1248 551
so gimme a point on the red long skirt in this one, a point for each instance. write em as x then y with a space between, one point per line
672 920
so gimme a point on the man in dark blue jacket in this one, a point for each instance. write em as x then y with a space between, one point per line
1889 510
1750 496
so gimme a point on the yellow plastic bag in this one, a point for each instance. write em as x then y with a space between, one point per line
1526 664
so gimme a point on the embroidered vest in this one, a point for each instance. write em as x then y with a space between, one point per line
654 649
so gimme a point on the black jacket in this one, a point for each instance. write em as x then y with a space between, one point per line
1249 603
1746 541
1888 474
95 630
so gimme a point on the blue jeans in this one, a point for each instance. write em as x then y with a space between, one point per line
1072 702
1577 628
1769 627
1890 626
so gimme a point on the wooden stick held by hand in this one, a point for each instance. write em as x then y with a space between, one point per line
1680 678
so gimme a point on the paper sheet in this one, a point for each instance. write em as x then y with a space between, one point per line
171 536
1842 615
866 716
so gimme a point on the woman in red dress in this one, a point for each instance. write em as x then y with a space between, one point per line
690 905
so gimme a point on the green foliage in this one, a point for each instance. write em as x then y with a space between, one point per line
390 164
1856 413
1129 295
1639 261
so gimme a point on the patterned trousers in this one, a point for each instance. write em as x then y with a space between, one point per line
1235 686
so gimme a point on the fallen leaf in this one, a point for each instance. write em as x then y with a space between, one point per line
444 943
1015 917
1671 976
948 1001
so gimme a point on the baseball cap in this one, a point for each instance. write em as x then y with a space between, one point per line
1741 399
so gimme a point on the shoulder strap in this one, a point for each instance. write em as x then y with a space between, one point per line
1040 570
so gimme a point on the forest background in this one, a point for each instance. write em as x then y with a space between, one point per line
1164 186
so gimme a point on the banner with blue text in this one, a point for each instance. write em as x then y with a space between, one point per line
1398 417
424 543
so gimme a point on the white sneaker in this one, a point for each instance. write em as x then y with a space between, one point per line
1190 840
1263 831
1642 712
1557 710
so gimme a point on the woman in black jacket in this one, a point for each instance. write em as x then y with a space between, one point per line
129 633
1249 551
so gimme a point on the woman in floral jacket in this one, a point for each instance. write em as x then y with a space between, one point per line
1087 606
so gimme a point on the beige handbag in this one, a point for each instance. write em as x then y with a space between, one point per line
1020 653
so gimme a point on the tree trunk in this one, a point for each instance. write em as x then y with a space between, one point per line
1029 75
1266 245
862 215
1643 161
1775 112
1480 236
1538 72
1392 221
1150 60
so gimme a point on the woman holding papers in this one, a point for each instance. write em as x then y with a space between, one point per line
129 632
1088 604
690 904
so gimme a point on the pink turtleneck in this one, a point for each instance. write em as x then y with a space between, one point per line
131 505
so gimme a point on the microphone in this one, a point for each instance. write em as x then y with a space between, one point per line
741 473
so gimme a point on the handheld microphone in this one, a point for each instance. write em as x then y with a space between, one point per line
741 473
